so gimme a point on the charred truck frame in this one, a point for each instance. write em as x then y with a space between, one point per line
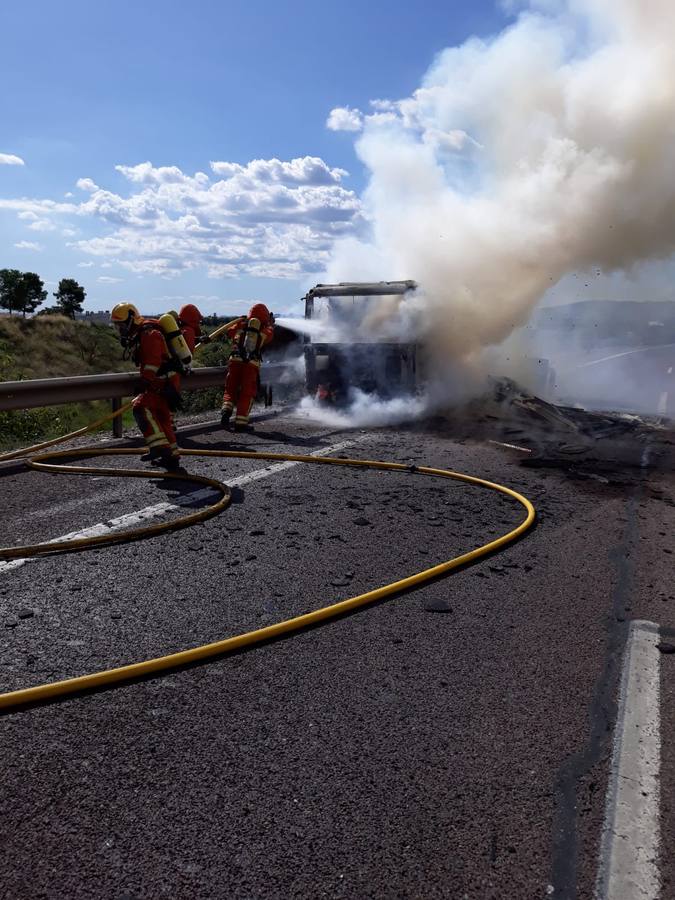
383 367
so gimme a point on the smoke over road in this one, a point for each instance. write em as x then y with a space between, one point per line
365 410
546 150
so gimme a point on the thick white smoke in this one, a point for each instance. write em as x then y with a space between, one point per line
546 150
364 410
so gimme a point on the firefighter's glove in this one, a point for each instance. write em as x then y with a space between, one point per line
203 339
172 397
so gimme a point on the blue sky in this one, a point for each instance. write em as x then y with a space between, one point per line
94 86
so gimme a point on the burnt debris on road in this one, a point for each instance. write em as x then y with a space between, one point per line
567 437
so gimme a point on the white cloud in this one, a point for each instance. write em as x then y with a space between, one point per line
342 118
308 170
42 225
108 279
28 245
207 298
68 232
207 303
86 184
271 216
85 265
39 207
383 105
226 169
191 298
146 173
69 194
8 159
278 218
416 113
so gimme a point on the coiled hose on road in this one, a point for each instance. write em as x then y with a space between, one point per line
109 677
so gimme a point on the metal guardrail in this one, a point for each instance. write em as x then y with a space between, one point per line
56 391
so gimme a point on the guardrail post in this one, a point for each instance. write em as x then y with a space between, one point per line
117 421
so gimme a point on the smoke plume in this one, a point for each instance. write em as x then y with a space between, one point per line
546 150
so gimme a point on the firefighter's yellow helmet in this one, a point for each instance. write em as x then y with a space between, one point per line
125 314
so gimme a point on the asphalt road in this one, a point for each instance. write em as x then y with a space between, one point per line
453 742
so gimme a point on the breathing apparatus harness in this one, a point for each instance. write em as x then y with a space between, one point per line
248 343
180 358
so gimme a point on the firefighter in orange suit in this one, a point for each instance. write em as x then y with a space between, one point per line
189 321
144 341
249 334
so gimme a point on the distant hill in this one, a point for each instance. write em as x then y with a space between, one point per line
638 323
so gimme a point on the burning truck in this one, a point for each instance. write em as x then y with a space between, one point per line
344 348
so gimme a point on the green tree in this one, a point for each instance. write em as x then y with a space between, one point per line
70 297
9 282
21 291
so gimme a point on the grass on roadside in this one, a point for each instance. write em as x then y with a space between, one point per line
55 346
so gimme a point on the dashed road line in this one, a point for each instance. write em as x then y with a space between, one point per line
594 362
130 520
628 864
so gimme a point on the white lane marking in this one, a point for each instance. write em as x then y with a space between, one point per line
629 849
594 362
159 509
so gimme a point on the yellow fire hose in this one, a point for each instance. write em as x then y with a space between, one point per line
26 451
108 677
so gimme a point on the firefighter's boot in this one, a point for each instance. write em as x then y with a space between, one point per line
242 426
151 455
168 460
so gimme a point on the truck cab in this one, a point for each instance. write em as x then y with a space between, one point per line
349 348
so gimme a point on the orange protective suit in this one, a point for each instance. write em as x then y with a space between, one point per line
243 367
153 408
189 322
